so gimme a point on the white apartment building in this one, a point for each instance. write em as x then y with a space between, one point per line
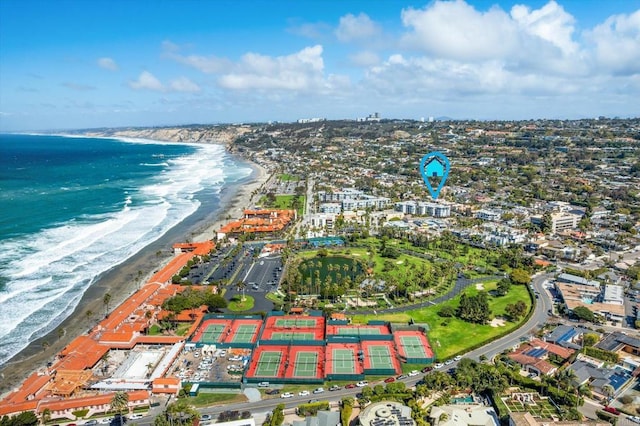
422 208
491 215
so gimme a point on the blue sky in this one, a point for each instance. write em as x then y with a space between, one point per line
80 64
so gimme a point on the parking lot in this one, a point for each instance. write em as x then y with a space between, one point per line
219 365
263 275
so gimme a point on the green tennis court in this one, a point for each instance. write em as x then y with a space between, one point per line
380 357
306 364
213 332
268 364
413 347
343 362
244 333
286 322
288 335
351 331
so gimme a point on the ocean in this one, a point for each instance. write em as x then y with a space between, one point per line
75 207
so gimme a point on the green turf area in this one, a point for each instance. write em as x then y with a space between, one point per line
286 177
285 202
205 399
317 272
449 336
238 305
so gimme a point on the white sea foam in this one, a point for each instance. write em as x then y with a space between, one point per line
49 272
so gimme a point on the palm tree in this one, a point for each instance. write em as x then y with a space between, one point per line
106 299
240 285
608 392
149 369
46 415
120 403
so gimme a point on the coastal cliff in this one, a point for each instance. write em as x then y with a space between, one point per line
224 135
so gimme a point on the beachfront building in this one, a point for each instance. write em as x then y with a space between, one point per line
117 355
262 221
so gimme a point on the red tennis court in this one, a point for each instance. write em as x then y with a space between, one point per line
243 331
413 345
380 356
357 330
212 331
342 358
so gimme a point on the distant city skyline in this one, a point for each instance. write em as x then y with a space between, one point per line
72 64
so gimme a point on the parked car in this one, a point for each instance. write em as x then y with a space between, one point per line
91 422
457 358
611 410
427 369
635 419
335 388
438 365
414 373
286 395
350 386
390 379
402 377
362 384
139 416
303 393
318 390
263 384
272 391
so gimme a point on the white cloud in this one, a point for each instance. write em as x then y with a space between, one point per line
353 28
108 64
364 58
456 30
617 43
183 84
550 23
302 70
147 81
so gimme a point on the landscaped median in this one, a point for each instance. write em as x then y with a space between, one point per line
239 304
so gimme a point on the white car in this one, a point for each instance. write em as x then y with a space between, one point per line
135 416
634 419
457 358
286 395
438 365
105 421
362 384
414 373
303 393
318 390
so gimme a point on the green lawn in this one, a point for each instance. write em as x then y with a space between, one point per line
284 202
204 399
449 336
237 305
285 177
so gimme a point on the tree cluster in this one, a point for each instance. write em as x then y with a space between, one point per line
474 309
190 299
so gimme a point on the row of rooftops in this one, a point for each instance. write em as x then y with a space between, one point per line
123 328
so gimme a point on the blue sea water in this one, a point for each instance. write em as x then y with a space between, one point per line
73 208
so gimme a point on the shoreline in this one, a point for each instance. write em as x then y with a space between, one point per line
126 278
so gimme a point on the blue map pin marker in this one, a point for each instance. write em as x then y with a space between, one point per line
434 164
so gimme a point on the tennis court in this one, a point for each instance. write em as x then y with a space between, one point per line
268 364
413 347
288 335
244 333
358 331
213 332
343 362
296 322
306 364
380 357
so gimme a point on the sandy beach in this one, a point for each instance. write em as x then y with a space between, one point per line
123 280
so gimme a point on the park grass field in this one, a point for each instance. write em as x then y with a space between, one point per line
449 336
284 202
